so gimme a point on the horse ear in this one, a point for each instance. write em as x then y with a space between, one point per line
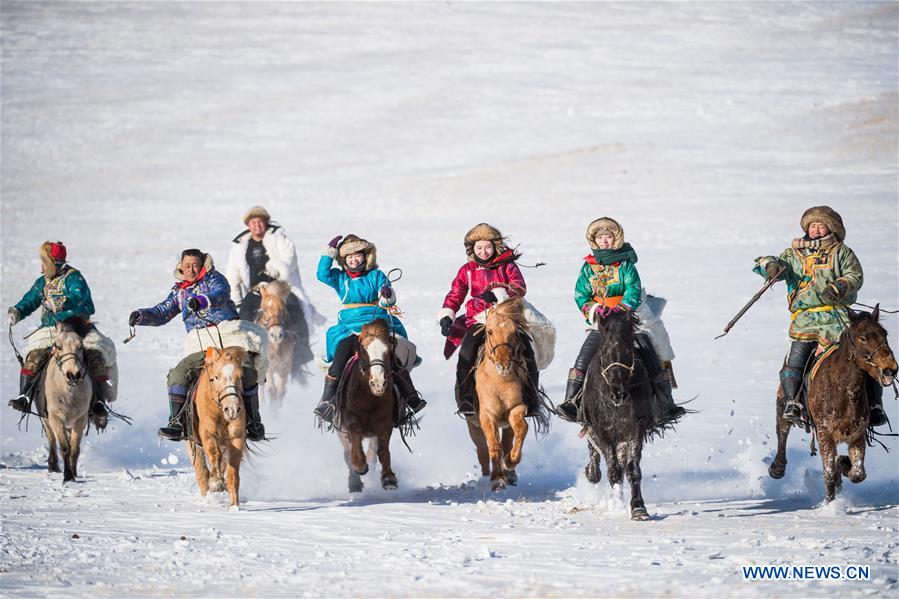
876 313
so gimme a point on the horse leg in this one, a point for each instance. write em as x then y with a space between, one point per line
480 445
592 470
233 455
357 455
828 450
75 436
495 450
388 478
779 466
856 459
199 461
52 458
353 480
634 477
508 440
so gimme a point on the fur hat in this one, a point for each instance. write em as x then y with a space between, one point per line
826 215
484 232
257 212
352 244
53 255
605 225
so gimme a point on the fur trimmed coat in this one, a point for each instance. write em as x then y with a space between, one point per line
282 265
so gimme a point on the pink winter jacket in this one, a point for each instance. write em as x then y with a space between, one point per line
502 277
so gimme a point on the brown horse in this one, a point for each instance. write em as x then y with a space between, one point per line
273 317
837 400
67 391
370 407
219 423
499 428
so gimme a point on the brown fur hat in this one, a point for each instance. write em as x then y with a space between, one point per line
826 215
484 232
606 225
352 244
257 212
53 255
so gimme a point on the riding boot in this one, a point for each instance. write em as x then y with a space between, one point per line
407 394
177 417
569 408
255 428
22 403
877 416
98 414
327 405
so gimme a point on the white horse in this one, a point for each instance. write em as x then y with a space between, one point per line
67 389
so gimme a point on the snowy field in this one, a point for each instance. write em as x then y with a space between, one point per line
133 130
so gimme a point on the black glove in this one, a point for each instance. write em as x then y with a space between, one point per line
193 304
446 324
134 318
489 297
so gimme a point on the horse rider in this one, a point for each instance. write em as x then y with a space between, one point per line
823 279
201 295
63 293
365 295
609 283
490 276
263 253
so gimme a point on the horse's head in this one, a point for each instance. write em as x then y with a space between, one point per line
869 346
617 353
224 368
273 310
501 333
376 349
68 353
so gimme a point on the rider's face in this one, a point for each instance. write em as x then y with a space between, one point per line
604 241
190 268
817 230
257 227
483 249
355 260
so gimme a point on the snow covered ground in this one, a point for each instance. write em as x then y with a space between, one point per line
134 130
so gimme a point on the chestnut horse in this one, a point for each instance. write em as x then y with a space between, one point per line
369 410
274 318
837 400
499 428
67 392
219 426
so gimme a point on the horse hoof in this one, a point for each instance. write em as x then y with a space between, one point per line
389 483
511 477
777 470
639 514
498 484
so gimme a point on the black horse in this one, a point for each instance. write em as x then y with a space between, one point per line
618 407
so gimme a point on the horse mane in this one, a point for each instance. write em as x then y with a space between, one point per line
513 310
79 325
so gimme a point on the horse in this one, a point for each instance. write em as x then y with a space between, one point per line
498 428
618 412
219 426
369 410
282 342
837 401
67 391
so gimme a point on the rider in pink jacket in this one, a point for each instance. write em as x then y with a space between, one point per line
490 277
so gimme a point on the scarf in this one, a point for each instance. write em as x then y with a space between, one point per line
607 257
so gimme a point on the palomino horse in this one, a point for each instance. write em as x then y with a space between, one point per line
499 428
618 411
219 427
837 400
274 318
67 391
370 407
